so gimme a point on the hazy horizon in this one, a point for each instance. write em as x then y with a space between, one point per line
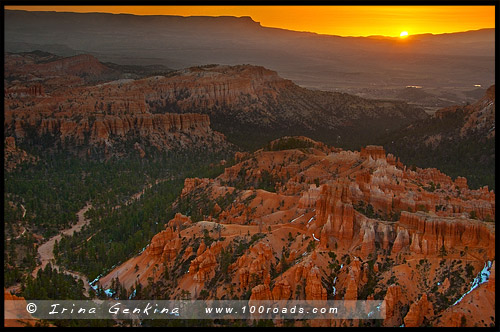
373 18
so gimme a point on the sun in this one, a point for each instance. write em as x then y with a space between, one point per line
403 34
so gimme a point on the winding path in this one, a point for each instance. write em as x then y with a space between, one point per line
24 229
46 250
24 211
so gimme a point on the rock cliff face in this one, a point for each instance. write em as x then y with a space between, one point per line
373 151
239 100
254 265
22 91
282 290
106 127
392 299
54 72
165 245
418 312
261 293
479 117
16 306
458 140
202 268
335 225
314 289
429 235
64 111
222 86
336 215
78 65
162 131
14 155
491 280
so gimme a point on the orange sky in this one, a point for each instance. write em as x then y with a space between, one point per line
334 20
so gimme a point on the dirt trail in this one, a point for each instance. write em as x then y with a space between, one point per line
46 250
138 195
21 234
24 229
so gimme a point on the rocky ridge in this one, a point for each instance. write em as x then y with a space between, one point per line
479 117
459 140
17 308
238 99
63 109
355 222
14 156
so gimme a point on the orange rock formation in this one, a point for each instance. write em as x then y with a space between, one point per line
352 230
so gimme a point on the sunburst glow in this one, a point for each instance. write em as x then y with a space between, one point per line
403 34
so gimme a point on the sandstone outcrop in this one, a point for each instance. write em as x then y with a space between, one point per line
202 268
179 221
54 70
13 155
335 214
16 307
191 183
243 94
419 310
244 277
160 240
368 241
108 127
77 115
331 234
481 115
314 289
261 293
373 151
82 64
21 91
353 279
351 293
254 266
429 234
401 241
392 297
457 319
282 290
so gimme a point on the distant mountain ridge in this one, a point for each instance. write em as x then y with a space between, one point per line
323 62
41 67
